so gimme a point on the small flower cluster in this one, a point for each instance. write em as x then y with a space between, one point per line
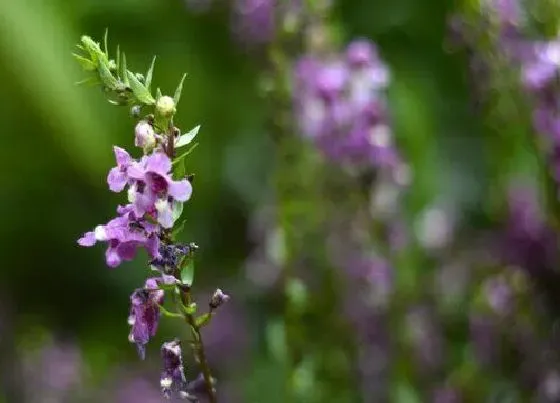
157 188
340 104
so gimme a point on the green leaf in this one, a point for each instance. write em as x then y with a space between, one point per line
118 58
158 93
187 273
123 71
138 89
92 47
89 80
169 314
203 320
179 90
149 74
187 138
86 64
105 37
106 76
177 210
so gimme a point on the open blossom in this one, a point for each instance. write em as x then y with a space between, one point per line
145 312
154 191
124 235
340 105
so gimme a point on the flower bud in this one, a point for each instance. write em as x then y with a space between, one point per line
218 299
165 107
144 136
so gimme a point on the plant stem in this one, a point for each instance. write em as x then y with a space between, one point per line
200 354
197 344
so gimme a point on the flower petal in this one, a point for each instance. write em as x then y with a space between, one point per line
123 158
116 179
158 163
112 257
88 239
180 190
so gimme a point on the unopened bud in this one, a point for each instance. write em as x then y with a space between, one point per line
218 299
165 107
144 136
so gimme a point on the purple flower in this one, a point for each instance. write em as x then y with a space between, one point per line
154 191
145 312
172 376
124 235
118 177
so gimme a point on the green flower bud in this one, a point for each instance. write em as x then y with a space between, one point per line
165 107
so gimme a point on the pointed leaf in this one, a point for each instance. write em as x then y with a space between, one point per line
179 89
187 138
149 74
89 80
138 89
177 210
118 58
158 93
122 70
187 273
106 76
86 64
105 37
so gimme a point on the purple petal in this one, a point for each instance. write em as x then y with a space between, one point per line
180 190
88 239
165 213
158 163
116 179
127 250
136 171
122 157
112 257
152 246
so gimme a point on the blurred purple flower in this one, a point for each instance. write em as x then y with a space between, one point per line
253 20
340 105
499 295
